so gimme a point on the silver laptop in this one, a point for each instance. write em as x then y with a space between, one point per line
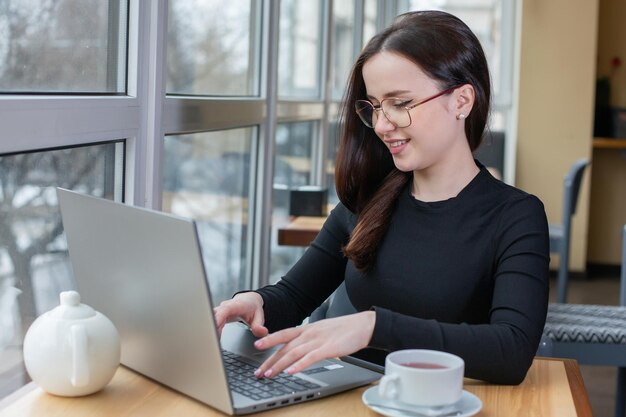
143 269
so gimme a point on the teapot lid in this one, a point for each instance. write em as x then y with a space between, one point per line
71 308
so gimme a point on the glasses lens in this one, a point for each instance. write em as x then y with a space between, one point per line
396 112
365 111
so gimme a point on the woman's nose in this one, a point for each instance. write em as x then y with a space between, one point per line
383 125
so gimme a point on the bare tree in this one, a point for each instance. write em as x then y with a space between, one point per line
53 45
208 53
30 223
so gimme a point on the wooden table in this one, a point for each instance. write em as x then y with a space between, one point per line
553 387
609 143
300 231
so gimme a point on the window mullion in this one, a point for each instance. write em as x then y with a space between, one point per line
264 185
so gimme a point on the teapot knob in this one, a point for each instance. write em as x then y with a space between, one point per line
70 298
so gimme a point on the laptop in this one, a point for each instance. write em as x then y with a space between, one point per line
143 269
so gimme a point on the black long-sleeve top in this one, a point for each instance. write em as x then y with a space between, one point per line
468 275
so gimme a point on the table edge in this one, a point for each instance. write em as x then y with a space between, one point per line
577 386
578 391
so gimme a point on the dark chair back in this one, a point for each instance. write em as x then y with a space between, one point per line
571 186
560 234
490 153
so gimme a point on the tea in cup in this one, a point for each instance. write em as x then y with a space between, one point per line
423 378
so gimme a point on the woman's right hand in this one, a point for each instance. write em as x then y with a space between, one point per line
247 307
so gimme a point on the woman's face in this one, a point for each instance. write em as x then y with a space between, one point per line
435 134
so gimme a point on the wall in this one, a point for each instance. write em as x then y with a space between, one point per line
557 87
608 183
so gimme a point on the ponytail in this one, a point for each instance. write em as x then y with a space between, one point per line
373 221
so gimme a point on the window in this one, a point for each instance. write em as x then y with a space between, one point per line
331 157
343 51
207 177
210 152
213 48
294 144
34 264
369 20
71 46
300 48
66 121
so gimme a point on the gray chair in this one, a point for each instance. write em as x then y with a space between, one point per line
490 153
560 234
338 304
592 334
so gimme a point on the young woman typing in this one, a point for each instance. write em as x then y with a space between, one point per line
435 253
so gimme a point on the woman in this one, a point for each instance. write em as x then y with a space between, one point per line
435 252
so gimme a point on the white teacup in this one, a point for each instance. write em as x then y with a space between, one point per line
423 378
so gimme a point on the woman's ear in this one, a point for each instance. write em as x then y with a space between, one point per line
464 101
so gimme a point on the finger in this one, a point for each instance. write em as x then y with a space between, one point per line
259 331
262 370
290 355
219 321
257 325
219 317
307 360
283 336
228 311
287 354
269 362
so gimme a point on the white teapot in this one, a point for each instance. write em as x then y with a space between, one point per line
72 350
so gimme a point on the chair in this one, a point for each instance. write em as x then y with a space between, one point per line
560 234
338 304
592 334
491 152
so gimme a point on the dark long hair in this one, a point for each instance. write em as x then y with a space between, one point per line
367 181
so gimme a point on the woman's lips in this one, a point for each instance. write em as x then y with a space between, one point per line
396 146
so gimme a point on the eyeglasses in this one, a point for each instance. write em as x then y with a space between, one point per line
395 110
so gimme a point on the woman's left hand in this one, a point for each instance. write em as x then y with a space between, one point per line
305 345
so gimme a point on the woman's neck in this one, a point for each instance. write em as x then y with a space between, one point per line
444 181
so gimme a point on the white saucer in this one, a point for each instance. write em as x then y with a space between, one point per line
468 405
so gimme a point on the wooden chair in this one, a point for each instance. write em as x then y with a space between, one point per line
591 334
560 234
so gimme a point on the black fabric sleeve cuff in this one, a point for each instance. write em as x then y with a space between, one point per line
381 335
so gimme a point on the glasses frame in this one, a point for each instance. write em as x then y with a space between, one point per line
379 108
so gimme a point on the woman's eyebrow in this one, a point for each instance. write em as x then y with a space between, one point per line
393 93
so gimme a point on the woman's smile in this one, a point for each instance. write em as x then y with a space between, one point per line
396 145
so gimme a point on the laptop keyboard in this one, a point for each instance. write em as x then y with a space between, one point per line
242 380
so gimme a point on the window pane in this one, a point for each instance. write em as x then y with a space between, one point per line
292 169
34 264
369 20
63 46
333 143
212 47
207 177
343 45
299 59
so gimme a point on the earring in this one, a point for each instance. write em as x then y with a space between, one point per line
460 116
